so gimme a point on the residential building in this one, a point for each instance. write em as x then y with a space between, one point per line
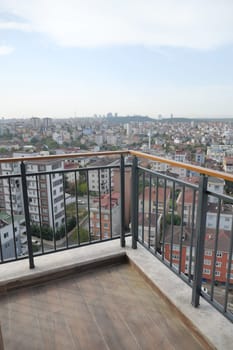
45 192
215 185
228 164
105 216
101 176
151 197
222 254
10 243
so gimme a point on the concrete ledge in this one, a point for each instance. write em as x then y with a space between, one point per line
58 272
206 320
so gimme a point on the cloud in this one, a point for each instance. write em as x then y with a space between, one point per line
195 24
6 50
10 25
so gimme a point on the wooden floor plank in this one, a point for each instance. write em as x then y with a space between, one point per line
110 308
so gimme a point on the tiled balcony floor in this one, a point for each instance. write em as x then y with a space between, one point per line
106 308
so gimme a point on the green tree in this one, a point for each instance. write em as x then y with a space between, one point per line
176 219
82 188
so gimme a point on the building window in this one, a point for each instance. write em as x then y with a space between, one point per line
54 192
206 271
6 234
105 216
219 254
105 225
208 252
175 256
218 264
217 273
207 262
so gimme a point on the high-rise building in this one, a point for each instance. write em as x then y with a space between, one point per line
45 192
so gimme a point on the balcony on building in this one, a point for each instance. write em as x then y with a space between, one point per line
115 254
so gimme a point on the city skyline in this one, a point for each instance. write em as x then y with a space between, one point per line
72 58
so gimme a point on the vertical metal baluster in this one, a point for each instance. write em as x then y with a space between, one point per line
1 253
122 194
64 200
181 231
215 249
51 194
134 203
172 221
164 216
12 217
143 205
27 215
88 205
192 235
110 199
227 285
157 241
100 221
153 217
149 214
39 212
200 245
76 207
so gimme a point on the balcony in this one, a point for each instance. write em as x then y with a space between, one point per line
142 281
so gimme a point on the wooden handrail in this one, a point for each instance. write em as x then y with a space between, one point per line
62 156
198 169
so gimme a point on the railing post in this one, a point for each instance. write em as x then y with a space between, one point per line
134 203
122 190
200 239
27 216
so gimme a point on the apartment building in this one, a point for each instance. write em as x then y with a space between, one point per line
101 179
151 197
222 254
149 228
45 192
105 216
190 211
190 206
228 164
71 176
10 244
215 185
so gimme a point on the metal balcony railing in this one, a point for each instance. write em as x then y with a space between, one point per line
187 225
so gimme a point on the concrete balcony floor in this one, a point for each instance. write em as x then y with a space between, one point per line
99 297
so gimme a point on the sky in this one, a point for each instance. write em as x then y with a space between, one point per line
66 58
